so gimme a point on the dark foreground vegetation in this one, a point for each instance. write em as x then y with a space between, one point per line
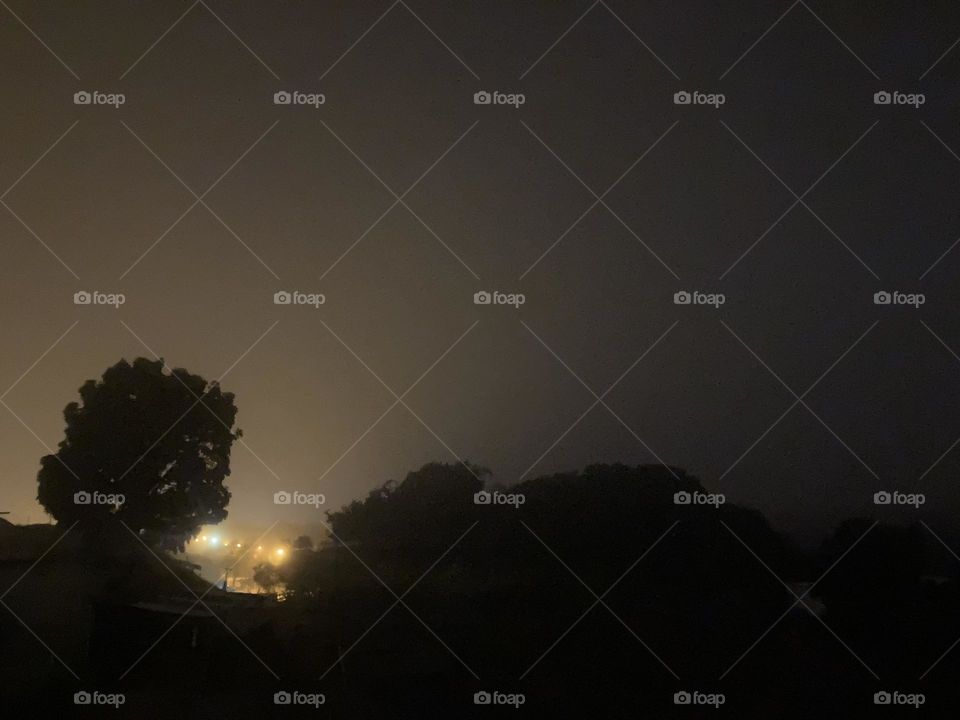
589 597
599 593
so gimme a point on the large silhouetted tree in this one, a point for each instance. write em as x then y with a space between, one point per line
160 439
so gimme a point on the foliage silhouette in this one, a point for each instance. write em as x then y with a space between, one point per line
160 439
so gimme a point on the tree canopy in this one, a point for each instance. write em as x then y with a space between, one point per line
145 446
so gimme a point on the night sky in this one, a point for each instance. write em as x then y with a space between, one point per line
399 198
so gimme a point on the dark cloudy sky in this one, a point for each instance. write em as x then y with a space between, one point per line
510 204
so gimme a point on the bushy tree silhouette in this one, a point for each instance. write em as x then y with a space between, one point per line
144 446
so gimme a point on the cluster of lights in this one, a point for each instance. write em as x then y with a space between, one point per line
214 541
